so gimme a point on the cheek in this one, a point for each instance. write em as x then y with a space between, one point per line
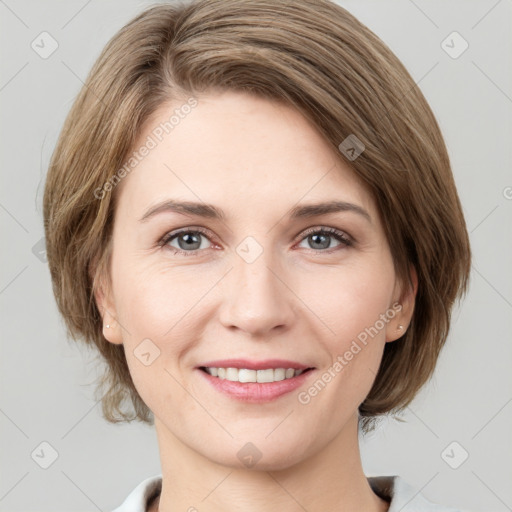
153 298
350 299
353 302
158 310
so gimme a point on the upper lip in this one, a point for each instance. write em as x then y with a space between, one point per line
255 365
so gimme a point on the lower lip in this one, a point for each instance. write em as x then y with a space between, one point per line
256 392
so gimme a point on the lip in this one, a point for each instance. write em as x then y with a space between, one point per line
255 365
256 392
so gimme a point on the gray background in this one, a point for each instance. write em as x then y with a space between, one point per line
46 394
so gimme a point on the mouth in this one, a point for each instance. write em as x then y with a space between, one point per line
255 382
245 375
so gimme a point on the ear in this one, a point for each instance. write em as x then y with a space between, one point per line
406 297
106 305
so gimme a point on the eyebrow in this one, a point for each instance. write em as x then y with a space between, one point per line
210 211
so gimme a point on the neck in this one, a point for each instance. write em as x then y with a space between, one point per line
332 479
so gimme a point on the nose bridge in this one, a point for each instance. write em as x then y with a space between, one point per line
257 300
258 275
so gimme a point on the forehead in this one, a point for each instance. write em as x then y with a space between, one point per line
236 150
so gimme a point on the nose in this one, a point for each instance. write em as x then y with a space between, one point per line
257 298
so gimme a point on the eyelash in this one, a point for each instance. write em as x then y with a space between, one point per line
335 233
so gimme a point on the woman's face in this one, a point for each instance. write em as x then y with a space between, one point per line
247 274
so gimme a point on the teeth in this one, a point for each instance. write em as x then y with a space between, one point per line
265 375
245 375
231 374
280 374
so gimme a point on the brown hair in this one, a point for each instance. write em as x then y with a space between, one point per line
314 56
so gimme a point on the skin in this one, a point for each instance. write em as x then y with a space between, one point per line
299 300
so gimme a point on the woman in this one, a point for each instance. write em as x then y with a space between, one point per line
250 212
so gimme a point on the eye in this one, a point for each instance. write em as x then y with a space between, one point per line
321 238
189 241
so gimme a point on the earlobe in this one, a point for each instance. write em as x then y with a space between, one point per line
395 330
104 302
112 332
397 327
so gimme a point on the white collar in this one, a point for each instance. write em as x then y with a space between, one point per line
402 496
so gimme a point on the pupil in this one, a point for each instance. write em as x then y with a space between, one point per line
325 242
189 240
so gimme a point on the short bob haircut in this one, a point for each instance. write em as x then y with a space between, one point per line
311 55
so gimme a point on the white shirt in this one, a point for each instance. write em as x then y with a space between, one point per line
402 496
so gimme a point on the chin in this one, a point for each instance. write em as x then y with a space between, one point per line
260 454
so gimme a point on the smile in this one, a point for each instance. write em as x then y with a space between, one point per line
246 375
254 386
